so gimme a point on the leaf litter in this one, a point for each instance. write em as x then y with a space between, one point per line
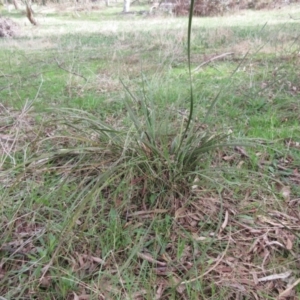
247 246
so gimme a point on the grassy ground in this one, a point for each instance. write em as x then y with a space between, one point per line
105 192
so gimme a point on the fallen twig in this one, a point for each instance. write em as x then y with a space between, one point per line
212 59
74 73
150 259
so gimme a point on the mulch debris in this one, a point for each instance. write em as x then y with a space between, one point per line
8 28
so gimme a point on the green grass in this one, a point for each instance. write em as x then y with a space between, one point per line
104 192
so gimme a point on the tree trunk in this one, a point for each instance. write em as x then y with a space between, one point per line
126 6
29 14
15 4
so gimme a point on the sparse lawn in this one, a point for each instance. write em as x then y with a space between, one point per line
104 194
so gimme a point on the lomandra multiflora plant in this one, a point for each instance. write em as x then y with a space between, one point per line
149 160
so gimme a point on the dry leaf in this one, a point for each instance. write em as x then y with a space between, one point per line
274 243
135 296
289 244
75 296
98 260
289 289
81 261
148 212
239 165
242 151
181 288
255 279
180 213
286 192
159 292
265 219
86 297
229 157
223 226
6 137
45 282
150 259
275 276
